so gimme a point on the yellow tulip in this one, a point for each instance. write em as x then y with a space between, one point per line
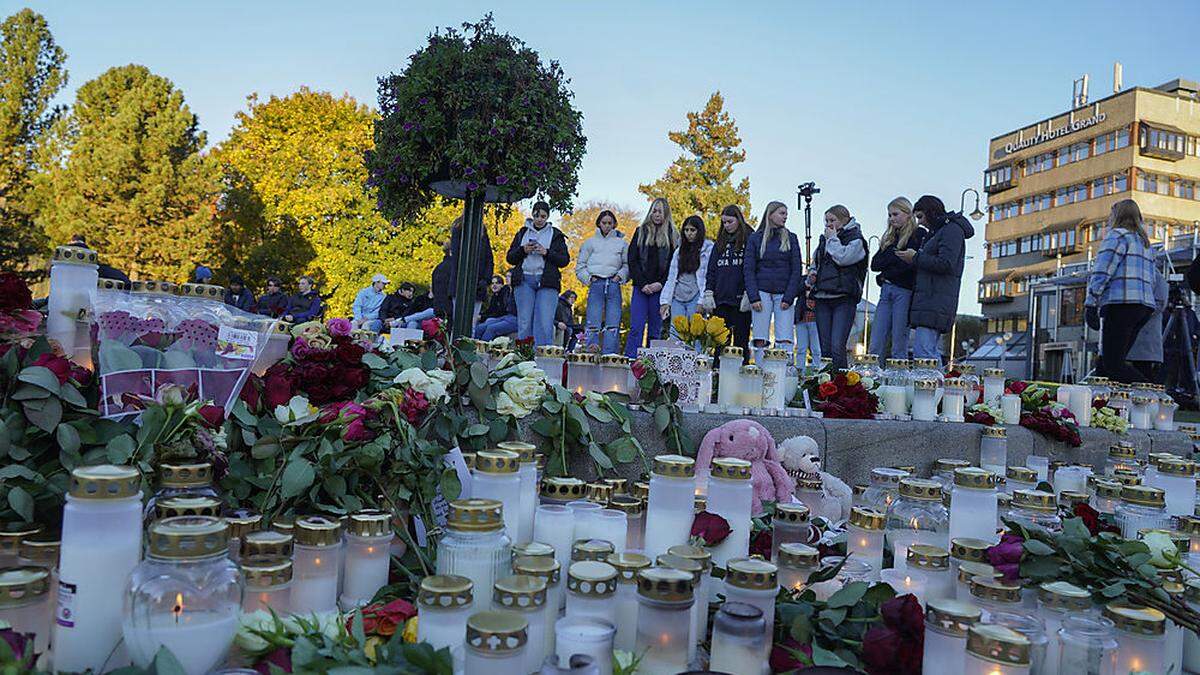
852 378
370 645
714 325
723 337
680 324
697 325
410 630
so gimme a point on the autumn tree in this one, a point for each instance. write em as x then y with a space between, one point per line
700 181
31 72
125 168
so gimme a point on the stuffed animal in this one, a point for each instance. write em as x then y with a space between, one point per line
801 459
748 440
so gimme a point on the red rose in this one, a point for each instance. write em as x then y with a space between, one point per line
14 294
1018 386
1091 519
251 394
760 544
638 368
383 620
433 328
212 415
414 406
904 613
1099 403
786 656
357 431
1006 556
80 374
58 365
349 353
710 527
896 647
827 390
278 387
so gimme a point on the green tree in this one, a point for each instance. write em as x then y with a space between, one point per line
31 72
701 180
125 168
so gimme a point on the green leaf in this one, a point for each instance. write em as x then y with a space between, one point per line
599 457
27 392
42 377
1038 548
450 485
21 502
297 477
5 441
44 414
848 595
19 471
497 430
374 361
265 448
801 629
624 449
119 449
71 395
476 430
242 414
1113 590
165 663
479 374
597 413
824 657
68 437
662 418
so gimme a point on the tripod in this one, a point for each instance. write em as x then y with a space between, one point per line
804 197
1180 377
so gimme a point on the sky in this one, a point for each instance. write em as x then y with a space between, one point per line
870 100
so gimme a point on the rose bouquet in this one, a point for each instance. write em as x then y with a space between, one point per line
842 396
18 318
981 413
1105 417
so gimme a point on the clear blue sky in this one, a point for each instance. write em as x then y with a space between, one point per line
869 99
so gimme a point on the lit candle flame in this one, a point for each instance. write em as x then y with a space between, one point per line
370 549
908 582
317 562
177 610
664 640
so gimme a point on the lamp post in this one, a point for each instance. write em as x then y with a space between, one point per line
867 297
962 204
1002 340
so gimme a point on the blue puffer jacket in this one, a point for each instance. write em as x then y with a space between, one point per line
775 271
939 265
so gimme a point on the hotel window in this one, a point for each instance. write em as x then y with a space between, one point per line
1112 141
1186 189
1039 163
993 289
1072 153
1070 195
1035 203
1152 182
997 176
1058 240
1109 185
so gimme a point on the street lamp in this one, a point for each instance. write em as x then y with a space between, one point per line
962 204
1002 340
867 298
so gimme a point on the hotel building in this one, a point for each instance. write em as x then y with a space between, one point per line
1049 188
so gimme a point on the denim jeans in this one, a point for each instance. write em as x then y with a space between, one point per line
925 343
682 309
490 329
835 317
602 325
760 322
807 341
535 311
643 318
413 321
373 325
891 321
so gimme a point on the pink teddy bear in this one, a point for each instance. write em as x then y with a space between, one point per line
749 440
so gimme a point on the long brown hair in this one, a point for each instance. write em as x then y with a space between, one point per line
1126 215
689 252
899 235
738 238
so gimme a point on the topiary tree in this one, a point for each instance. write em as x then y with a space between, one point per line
476 116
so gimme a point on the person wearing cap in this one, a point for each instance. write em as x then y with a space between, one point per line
368 302
202 275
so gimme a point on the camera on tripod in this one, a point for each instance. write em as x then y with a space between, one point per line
807 190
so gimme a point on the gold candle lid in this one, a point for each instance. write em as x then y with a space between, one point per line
1175 466
751 370
266 542
1126 478
968 570
665 584
797 555
631 506
886 475
242 521
730 468
475 515
1122 450
591 549
533 549
974 477
206 291
692 567
562 488
674 466
732 351
266 570
751 573
519 592
866 359
469 460
774 354
152 286
611 360
526 452
696 553
78 255
317 531
1064 596
445 591
950 617
910 469
954 383
1070 498
11 535
995 590
192 474
921 489
187 506
998 644
592 578
867 518
896 364
1136 619
1022 474
927 363
926 557
369 523
22 585
640 489
188 538
925 384
497 461
41 548
995 431
499 632
620 486
796 513
1035 500
1118 395
552 351
105 481
993 372
1144 495
540 566
601 493
1188 524
627 565
949 464
1108 489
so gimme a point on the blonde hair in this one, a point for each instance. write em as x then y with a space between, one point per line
840 212
899 235
1126 215
664 235
766 230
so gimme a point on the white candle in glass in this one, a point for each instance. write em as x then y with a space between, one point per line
904 583
993 450
495 477
952 404
738 639
973 504
555 525
996 650
527 476
1176 477
316 561
101 544
993 386
584 525
895 400
864 536
1071 479
25 602
946 625
610 525
1010 408
1141 638
547 569
635 520
367 557
591 585
627 565
670 506
1139 414
198 639
931 566
496 642
1039 464
754 582
924 407
443 604
268 584
663 631
1080 404
730 494
590 637
526 595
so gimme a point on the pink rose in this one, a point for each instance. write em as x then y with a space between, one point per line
339 327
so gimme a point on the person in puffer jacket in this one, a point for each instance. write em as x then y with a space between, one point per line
841 259
773 272
602 266
725 280
896 279
685 282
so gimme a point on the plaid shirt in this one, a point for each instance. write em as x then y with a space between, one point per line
1123 272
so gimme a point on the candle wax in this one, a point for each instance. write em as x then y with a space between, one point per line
198 639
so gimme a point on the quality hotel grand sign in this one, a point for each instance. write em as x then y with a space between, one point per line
1050 133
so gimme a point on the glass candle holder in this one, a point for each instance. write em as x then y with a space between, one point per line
1086 644
610 525
811 494
41 549
1165 420
101 544
241 522
555 525
894 399
966 549
181 479
560 490
993 450
546 569
580 369
496 642
946 625
968 571
185 596
1121 455
669 509
444 602
991 594
1056 601
11 535
591 638
754 582
627 565
1140 416
367 558
774 374
267 542
591 585
1010 408
931 565
904 583
750 391
796 563
1071 478
1106 497
318 550
268 584
475 545
728 381
993 386
1141 637
1020 478
973 504
924 406
916 517
730 494
1034 508
495 477
943 472
550 358
864 535
790 524
25 603
591 549
1177 478
610 371
663 632
525 595
705 587
884 488
1032 628
1141 508
738 639
527 477
953 399
995 650
972 385
634 511
851 570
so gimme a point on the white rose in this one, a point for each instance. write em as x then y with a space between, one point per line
505 361
413 377
506 407
501 342
823 378
297 411
1161 546
247 640
530 369
439 383
594 397
526 392
868 383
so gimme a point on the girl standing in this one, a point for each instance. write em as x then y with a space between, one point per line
603 266
808 341
685 281
773 274
650 253
538 253
725 277
841 258
896 279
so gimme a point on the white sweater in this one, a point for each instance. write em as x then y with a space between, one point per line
668 291
603 257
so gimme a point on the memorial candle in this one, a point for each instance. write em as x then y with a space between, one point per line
527 475
1056 601
728 382
268 584
591 638
904 584
496 642
475 545
698 617
525 595
1010 408
993 449
864 536
738 639
730 494
993 386
796 563
367 558
894 399
627 565
790 524
1141 637
1177 478
996 650
634 510
924 407
946 625
25 602
495 477
318 552
754 582
444 601
547 569
973 504
550 359
931 566
241 523
11 535
669 511
591 585
664 597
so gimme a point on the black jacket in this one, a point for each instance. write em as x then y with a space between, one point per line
396 306
557 257
648 264
305 307
841 281
726 275
893 270
243 301
939 265
273 304
441 285
502 303
486 263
